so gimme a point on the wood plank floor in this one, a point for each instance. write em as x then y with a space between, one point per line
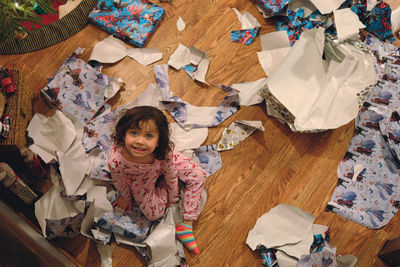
268 168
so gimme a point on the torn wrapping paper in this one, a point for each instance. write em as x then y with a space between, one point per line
132 21
112 50
184 139
105 252
250 28
180 110
56 133
180 24
52 140
237 132
377 21
245 37
326 257
79 89
208 158
193 61
284 225
271 7
275 46
117 222
395 19
367 191
248 91
347 23
57 216
314 96
326 7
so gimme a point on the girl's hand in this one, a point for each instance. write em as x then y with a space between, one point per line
123 204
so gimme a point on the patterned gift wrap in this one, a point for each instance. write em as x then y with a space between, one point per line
131 21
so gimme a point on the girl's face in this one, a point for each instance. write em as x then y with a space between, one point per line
141 143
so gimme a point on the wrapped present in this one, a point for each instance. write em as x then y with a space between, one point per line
10 180
131 21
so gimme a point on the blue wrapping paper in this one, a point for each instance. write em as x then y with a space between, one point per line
377 21
117 222
271 7
245 37
132 21
368 191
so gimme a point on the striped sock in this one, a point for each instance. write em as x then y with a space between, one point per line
184 233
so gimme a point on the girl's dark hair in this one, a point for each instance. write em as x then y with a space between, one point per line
133 117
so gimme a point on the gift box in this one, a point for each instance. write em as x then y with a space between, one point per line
131 21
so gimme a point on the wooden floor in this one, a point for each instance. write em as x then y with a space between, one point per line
268 168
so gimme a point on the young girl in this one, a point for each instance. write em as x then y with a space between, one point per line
144 167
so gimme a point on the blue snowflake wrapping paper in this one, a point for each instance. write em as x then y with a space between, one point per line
132 21
117 222
368 190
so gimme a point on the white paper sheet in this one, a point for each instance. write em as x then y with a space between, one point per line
248 91
180 57
200 115
314 90
149 97
180 24
190 139
270 59
247 20
52 134
275 46
74 163
284 224
98 195
112 50
326 7
347 23
274 40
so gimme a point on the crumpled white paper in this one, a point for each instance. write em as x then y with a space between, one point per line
321 94
111 50
283 227
149 97
248 91
56 133
184 56
180 24
275 46
247 20
347 23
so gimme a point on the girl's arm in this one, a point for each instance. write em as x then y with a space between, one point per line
171 178
119 181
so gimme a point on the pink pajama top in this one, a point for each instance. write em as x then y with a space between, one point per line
152 192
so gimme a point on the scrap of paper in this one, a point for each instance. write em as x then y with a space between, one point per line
248 91
395 19
179 109
237 132
250 27
193 61
247 20
326 7
105 252
283 225
245 37
56 133
275 47
317 94
112 50
347 23
187 139
306 5
180 24
209 158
